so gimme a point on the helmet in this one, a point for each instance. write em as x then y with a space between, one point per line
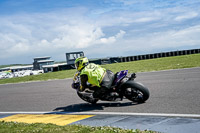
81 62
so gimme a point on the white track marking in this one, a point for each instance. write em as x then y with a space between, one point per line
110 113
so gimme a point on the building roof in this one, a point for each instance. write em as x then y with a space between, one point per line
75 52
17 67
45 57
42 61
54 65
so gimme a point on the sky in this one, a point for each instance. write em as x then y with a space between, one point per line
100 28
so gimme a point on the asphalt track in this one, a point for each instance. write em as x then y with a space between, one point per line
173 92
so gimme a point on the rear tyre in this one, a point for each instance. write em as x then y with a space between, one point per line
88 99
135 92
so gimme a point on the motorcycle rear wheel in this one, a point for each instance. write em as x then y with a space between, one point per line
135 92
87 98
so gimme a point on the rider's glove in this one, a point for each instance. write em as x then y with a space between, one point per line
81 88
133 75
75 85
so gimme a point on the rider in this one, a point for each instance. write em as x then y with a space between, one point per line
100 78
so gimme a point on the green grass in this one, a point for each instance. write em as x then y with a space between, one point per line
177 62
41 77
13 127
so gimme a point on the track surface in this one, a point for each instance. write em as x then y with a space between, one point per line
173 91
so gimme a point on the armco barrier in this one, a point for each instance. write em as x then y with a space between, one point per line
155 55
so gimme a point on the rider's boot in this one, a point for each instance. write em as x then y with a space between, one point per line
112 96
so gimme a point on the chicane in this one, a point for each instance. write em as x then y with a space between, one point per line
172 123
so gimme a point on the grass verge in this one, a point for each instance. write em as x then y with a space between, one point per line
13 127
176 62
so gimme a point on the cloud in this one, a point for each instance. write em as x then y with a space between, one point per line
186 16
77 36
111 39
49 33
166 39
122 27
151 42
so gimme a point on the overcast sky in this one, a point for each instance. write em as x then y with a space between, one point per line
100 28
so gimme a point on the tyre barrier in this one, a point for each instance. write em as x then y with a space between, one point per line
153 56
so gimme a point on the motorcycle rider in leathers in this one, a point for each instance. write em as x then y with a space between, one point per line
100 78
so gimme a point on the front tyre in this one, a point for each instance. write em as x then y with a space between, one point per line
87 98
135 92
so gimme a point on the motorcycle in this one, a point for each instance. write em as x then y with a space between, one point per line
124 86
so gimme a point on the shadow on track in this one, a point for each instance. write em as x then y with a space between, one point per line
91 107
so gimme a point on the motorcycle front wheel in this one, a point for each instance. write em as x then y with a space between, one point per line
87 98
135 92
